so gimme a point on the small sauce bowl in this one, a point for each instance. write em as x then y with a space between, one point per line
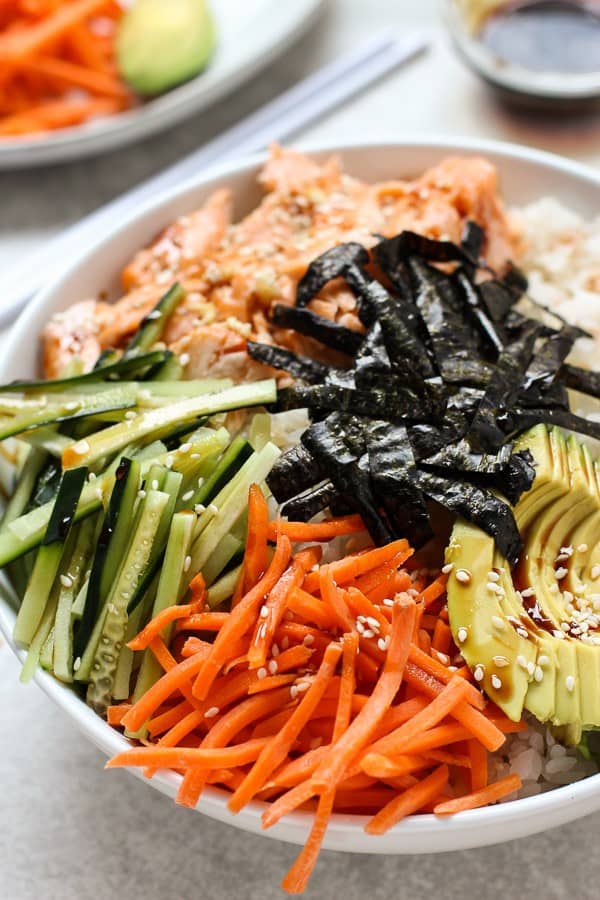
533 53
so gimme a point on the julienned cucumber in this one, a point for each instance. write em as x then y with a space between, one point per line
153 324
112 635
49 555
102 373
159 421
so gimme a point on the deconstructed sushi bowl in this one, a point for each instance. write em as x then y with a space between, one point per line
525 176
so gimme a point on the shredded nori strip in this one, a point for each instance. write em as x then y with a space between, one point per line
447 373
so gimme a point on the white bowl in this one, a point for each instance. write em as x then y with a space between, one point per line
526 175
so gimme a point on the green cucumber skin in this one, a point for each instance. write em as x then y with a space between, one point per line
115 624
122 367
153 324
223 589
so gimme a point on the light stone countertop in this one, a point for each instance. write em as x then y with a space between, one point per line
68 830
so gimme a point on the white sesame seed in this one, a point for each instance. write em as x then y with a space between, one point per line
183 448
595 572
373 622
169 462
478 673
528 592
493 576
303 686
214 509
530 668
463 576
272 666
187 496
154 485
582 548
360 627
66 581
493 587
558 634
568 551
264 611
80 448
570 683
496 682
538 674
184 358
212 712
73 404
130 414
293 692
368 633
443 657
497 622
543 660
554 588
98 494
383 644
76 664
187 563
447 568
500 661
561 572
261 673
388 601
462 635
199 508
92 476
522 632
308 640
521 661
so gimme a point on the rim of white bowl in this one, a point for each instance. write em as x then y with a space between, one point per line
507 820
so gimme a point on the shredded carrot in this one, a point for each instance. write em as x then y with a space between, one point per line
114 714
255 559
489 794
320 531
159 622
409 802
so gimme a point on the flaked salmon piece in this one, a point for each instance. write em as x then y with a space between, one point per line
288 171
185 243
127 313
73 334
218 351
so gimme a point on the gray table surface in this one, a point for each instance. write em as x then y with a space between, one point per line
69 831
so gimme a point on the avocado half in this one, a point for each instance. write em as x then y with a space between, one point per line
531 636
162 43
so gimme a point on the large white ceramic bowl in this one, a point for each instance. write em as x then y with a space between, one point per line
526 175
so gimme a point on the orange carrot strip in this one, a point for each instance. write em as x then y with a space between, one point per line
25 42
74 75
114 714
345 570
334 599
377 765
255 558
392 584
442 637
479 765
182 757
240 619
409 802
160 621
203 621
441 673
311 609
167 719
489 794
297 877
270 682
434 590
318 531
347 686
278 747
331 772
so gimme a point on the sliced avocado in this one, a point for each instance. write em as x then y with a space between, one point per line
161 44
532 636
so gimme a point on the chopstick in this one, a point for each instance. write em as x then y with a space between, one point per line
307 101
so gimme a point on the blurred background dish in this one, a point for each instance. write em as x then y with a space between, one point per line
537 53
245 37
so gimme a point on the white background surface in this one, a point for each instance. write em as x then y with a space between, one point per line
69 831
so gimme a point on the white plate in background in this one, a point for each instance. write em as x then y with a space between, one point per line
250 35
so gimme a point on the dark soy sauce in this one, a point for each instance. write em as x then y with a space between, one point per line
546 36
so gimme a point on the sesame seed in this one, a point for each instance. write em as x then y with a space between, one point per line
493 587
212 712
493 576
462 634
496 682
595 572
500 661
360 627
187 496
184 358
528 592
272 666
561 572
261 673
303 686
368 633
543 660
478 673
521 661
169 462
443 657
373 622
570 683
522 632
554 588
214 509
130 414
497 622
538 674
383 643
568 551
463 576
98 494
187 563
447 568
388 601
92 476
558 634
66 581
293 692
154 484
76 664
264 611
185 447
582 548
199 508
73 404
80 448
530 668
308 640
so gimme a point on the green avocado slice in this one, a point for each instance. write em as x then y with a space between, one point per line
532 636
162 43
